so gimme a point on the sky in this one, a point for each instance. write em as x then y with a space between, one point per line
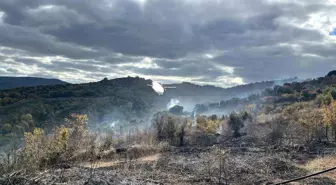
215 42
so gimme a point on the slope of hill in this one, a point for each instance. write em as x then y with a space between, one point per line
318 90
49 105
186 89
189 94
104 101
15 82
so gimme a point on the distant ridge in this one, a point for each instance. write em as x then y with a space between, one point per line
189 89
16 82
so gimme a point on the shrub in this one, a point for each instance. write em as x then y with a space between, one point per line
177 110
236 122
170 128
78 131
34 149
208 125
305 122
329 117
41 151
276 136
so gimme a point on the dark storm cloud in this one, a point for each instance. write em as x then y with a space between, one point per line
260 39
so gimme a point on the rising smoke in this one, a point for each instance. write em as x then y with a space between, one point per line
173 102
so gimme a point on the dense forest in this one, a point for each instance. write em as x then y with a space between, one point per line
14 82
49 105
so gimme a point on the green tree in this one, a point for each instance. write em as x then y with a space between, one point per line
178 110
331 73
235 123
7 128
323 99
27 119
18 130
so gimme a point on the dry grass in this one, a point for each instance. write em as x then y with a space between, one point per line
103 164
323 163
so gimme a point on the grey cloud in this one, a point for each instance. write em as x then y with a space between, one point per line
174 32
33 41
12 70
188 69
321 49
64 66
257 64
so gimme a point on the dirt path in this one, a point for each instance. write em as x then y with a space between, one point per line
102 164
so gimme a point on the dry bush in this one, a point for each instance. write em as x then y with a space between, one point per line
305 123
207 125
164 147
140 136
323 163
170 128
132 144
43 151
137 151
89 152
108 154
200 138
224 167
277 131
106 141
77 125
329 118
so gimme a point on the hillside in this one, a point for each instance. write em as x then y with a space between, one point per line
273 99
15 82
122 98
187 89
49 105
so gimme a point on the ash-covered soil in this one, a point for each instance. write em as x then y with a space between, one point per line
179 166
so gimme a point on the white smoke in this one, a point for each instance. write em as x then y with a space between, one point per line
194 120
172 103
114 123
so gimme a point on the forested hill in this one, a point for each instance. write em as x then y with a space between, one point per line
45 103
123 98
318 90
125 87
211 93
14 82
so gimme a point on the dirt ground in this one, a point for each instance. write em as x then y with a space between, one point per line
189 165
230 163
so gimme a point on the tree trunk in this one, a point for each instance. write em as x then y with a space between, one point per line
220 169
334 131
326 132
182 136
